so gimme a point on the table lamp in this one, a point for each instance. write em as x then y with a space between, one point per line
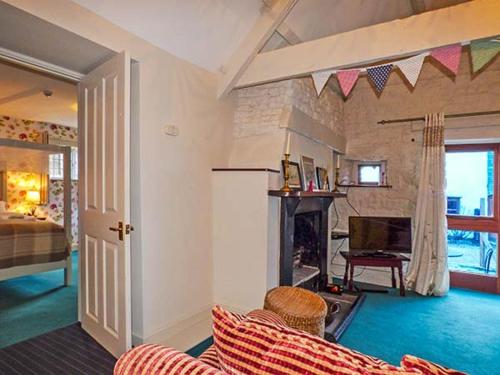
33 197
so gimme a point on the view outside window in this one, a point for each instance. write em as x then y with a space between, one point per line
369 174
470 180
473 252
470 189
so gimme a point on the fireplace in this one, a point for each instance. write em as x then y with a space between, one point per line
304 238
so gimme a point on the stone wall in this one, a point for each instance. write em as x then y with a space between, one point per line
401 144
259 109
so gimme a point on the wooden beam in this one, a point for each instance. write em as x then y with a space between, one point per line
464 22
265 26
417 6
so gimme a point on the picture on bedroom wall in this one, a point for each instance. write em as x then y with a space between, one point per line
309 172
323 181
295 180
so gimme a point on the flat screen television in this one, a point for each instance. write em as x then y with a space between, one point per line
374 234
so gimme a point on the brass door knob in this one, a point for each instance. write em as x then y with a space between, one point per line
119 230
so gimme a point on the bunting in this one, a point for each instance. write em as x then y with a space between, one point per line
320 79
411 68
448 56
379 75
347 79
482 51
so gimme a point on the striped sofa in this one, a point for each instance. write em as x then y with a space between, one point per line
261 343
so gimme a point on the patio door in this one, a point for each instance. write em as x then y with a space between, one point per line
104 126
473 208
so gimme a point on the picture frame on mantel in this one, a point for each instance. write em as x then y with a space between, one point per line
323 180
295 177
308 172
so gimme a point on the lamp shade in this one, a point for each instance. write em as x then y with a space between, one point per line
33 196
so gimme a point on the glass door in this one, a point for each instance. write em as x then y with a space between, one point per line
472 193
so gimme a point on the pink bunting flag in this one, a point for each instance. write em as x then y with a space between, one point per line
347 79
448 56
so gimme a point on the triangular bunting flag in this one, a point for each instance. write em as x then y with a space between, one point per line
320 79
379 75
482 51
448 56
347 79
411 68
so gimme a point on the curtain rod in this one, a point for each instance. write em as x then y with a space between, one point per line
455 115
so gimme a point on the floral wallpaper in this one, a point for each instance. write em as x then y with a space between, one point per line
29 131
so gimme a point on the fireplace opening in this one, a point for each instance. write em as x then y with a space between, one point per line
306 249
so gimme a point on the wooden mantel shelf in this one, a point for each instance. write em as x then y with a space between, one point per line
306 194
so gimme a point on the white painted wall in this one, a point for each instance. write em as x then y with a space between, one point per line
171 207
245 238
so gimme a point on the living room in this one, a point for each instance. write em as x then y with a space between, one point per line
339 177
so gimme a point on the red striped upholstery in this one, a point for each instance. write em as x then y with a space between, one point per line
246 345
209 356
425 367
157 359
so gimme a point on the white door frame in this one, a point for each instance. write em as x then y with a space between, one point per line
74 77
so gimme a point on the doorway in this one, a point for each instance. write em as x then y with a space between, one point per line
103 78
473 208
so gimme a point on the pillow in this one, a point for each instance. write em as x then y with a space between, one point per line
246 345
209 356
425 367
154 359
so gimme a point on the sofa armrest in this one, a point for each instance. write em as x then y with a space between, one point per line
152 359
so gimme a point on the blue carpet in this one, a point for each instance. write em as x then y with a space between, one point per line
33 305
461 330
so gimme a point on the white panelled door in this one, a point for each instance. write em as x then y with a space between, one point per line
104 136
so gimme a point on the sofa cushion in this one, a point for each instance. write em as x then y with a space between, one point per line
209 356
156 359
246 345
425 367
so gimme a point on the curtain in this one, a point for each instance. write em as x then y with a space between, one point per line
428 270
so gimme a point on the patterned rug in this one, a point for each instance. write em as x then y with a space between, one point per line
68 350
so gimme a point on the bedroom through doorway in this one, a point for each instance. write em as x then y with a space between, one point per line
38 241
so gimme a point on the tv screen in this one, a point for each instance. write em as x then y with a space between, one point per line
380 234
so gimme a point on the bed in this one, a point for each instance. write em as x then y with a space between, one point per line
28 245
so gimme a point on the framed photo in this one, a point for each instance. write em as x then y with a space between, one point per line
295 178
308 172
323 181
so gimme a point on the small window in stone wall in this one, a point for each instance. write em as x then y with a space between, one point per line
371 173
56 165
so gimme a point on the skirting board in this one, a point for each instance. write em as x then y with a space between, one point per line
182 335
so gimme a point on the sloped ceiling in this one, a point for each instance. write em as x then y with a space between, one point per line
207 32
21 96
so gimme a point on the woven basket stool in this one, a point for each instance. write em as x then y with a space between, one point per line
300 308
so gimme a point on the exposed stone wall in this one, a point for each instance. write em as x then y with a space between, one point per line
259 109
401 144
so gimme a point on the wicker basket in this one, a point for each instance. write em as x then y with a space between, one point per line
300 308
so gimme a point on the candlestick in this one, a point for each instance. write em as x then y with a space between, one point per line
338 161
337 183
288 139
286 174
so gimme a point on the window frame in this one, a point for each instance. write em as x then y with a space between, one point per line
371 164
491 224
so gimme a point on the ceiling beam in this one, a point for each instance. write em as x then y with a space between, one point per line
417 6
460 23
262 30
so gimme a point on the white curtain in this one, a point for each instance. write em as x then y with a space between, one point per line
428 270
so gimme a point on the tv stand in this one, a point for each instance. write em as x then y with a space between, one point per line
378 254
395 261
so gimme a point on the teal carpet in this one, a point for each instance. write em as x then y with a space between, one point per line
32 305
461 330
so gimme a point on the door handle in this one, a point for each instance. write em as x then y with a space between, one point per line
120 230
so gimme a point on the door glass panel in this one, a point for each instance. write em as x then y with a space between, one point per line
472 252
470 183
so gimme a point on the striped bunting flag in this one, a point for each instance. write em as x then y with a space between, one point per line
482 51
347 79
411 68
448 56
320 79
379 75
